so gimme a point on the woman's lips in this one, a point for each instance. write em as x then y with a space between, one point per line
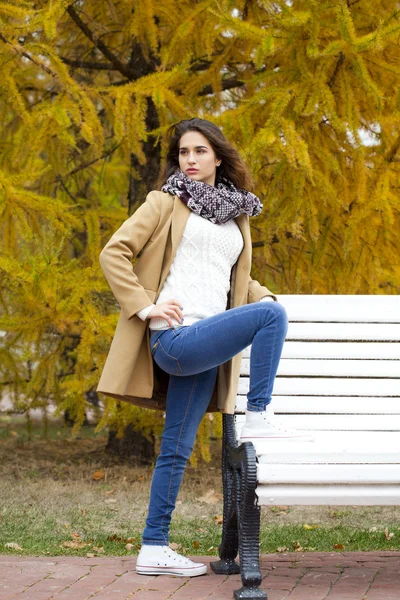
192 170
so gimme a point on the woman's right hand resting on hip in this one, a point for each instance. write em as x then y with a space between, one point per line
166 310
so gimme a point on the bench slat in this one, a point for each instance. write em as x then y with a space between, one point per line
344 331
356 313
320 386
339 350
331 300
332 368
333 447
338 422
333 474
329 495
328 404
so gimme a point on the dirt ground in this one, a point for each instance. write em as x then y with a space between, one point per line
62 471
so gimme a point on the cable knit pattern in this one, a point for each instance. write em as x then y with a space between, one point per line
199 276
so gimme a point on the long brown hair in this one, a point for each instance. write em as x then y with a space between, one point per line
232 166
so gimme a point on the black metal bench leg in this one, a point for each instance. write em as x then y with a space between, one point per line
249 526
228 548
241 524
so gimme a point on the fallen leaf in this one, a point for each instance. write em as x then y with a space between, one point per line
90 555
195 544
297 547
175 546
99 549
83 510
308 527
282 549
388 535
109 492
97 475
338 547
372 529
130 540
115 538
75 536
74 544
110 501
13 546
212 549
218 519
14 433
128 547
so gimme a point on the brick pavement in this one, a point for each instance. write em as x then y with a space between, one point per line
292 576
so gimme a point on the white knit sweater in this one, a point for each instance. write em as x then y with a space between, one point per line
199 277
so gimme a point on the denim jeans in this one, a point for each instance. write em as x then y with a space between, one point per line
191 355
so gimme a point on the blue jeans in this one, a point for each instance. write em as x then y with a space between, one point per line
191 355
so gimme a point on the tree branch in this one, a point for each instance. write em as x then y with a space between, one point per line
88 164
335 72
18 50
390 155
114 60
83 64
227 84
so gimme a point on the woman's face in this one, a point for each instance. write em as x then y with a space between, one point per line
196 153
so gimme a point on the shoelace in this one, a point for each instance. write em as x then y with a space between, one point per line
175 556
271 417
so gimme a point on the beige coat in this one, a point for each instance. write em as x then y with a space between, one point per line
154 231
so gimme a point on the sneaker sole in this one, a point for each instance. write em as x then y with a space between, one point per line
189 572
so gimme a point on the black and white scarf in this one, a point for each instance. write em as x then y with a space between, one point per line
218 203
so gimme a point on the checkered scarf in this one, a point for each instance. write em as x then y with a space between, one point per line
218 203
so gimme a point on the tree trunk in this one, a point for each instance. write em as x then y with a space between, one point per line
132 445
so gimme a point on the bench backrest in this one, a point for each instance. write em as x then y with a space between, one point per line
340 377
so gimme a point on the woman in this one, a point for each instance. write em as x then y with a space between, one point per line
196 257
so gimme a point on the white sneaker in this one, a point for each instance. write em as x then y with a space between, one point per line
162 560
263 425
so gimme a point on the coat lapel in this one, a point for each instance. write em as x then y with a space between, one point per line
179 216
241 269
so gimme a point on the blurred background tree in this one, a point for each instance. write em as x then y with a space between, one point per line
307 91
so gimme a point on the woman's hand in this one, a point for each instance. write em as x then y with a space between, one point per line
166 310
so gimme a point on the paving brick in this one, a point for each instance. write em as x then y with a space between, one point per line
309 592
132 585
294 576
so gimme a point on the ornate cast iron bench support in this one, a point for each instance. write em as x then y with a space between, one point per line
241 521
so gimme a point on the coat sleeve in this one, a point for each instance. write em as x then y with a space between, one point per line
258 291
123 246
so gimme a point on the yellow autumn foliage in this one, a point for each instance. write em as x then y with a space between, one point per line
307 91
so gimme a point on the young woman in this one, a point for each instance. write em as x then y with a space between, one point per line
188 309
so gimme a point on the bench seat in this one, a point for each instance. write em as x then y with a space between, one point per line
339 378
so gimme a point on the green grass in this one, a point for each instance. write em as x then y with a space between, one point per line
48 497
193 536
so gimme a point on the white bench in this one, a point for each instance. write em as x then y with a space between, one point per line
339 377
